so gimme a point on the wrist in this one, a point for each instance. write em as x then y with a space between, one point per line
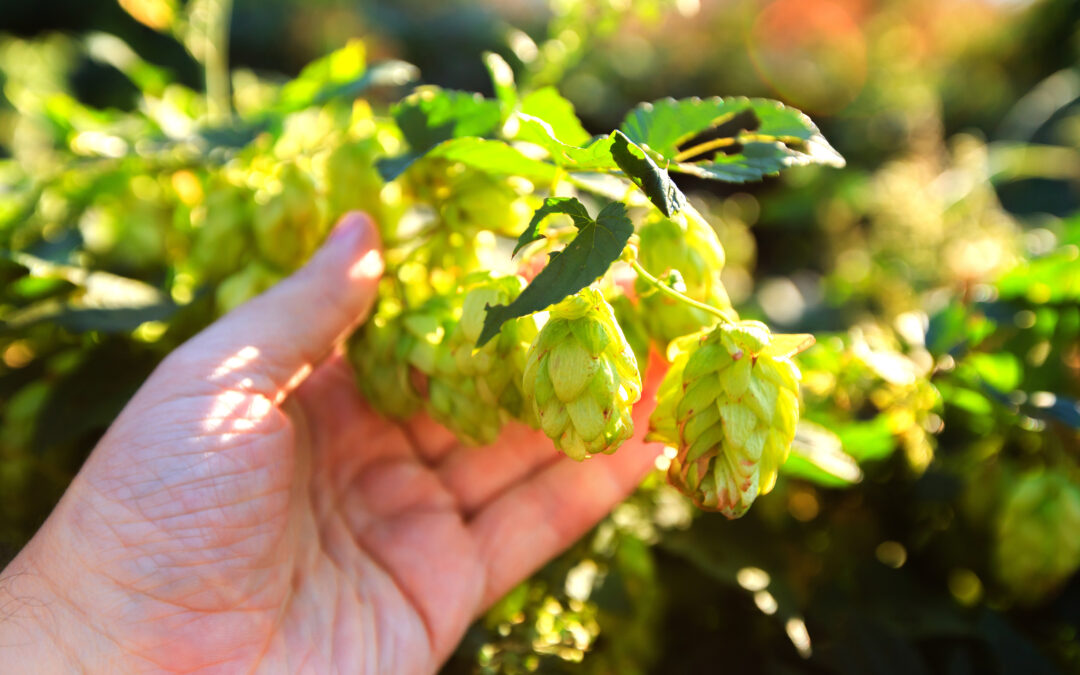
31 619
39 622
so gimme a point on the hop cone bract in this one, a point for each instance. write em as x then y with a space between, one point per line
378 352
1038 535
730 408
582 377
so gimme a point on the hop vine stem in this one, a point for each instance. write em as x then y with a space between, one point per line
672 293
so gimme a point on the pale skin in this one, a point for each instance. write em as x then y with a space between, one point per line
248 512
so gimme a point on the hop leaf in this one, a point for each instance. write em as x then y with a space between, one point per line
730 408
582 377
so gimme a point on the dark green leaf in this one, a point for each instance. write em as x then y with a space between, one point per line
552 205
653 181
761 137
585 259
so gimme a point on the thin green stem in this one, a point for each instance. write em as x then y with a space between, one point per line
672 293
218 96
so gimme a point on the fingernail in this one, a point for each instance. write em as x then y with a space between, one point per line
351 227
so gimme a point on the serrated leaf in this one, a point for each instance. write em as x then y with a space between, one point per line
653 181
786 345
557 112
488 156
748 139
566 205
502 80
598 243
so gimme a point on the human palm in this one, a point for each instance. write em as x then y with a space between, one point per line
244 515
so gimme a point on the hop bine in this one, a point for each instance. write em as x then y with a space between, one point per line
582 377
729 403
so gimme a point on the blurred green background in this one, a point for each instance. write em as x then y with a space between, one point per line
928 523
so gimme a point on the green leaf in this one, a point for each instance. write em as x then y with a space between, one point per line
596 156
338 67
653 181
584 260
761 136
552 205
432 115
493 157
502 79
548 104
817 455
1001 370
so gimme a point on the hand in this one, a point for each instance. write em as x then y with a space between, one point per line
247 511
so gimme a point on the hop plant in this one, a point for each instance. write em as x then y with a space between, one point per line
685 247
729 403
582 377
1037 548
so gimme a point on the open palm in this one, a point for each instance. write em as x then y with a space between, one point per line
245 514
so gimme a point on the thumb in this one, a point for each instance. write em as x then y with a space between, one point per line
269 344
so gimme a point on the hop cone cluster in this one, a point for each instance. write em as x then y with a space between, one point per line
1038 545
378 351
730 407
474 391
688 248
428 356
582 377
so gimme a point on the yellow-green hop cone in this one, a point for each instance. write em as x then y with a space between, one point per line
473 392
582 378
1037 547
253 279
378 354
729 403
223 238
289 222
689 246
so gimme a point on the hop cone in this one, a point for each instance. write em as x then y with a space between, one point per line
689 246
582 377
729 405
378 352
223 237
288 219
1038 535
473 391
241 286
